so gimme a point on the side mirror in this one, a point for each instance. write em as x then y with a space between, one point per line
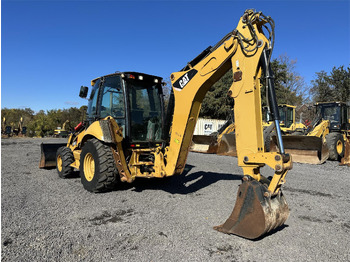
83 91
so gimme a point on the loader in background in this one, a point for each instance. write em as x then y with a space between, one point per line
62 131
127 136
288 122
325 139
12 130
223 142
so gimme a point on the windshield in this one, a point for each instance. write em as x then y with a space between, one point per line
289 117
282 114
286 116
331 113
112 103
146 111
112 98
92 105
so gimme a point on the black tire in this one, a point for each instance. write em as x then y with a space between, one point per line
97 167
64 157
336 146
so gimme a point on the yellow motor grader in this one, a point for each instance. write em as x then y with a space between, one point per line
127 135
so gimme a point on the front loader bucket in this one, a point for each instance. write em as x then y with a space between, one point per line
303 149
48 154
346 159
204 144
227 145
255 212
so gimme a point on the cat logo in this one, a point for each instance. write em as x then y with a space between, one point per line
185 79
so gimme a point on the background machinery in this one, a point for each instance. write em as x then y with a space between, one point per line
223 142
325 139
287 123
127 135
12 129
287 115
62 131
337 113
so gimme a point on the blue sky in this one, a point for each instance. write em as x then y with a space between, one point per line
50 48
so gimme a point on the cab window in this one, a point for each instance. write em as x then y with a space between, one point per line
92 105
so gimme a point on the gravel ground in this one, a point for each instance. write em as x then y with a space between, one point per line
45 218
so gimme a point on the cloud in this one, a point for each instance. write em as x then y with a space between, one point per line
71 103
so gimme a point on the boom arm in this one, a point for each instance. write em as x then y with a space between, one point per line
245 50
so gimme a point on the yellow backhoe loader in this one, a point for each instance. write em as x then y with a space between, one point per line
12 129
127 136
287 123
6 131
326 139
20 130
62 131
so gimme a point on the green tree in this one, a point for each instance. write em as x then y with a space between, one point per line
216 104
12 117
39 126
340 81
332 87
42 123
289 86
321 89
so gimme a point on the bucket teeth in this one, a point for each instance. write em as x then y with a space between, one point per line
255 213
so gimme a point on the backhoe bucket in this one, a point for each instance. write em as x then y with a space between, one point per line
48 154
303 149
346 159
204 144
255 212
227 145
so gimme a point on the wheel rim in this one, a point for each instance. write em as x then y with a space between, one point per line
339 147
89 167
59 163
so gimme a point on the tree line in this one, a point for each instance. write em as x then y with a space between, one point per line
289 85
42 123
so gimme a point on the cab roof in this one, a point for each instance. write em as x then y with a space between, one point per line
128 73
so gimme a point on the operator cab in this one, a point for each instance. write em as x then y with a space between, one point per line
134 100
286 115
285 112
336 113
